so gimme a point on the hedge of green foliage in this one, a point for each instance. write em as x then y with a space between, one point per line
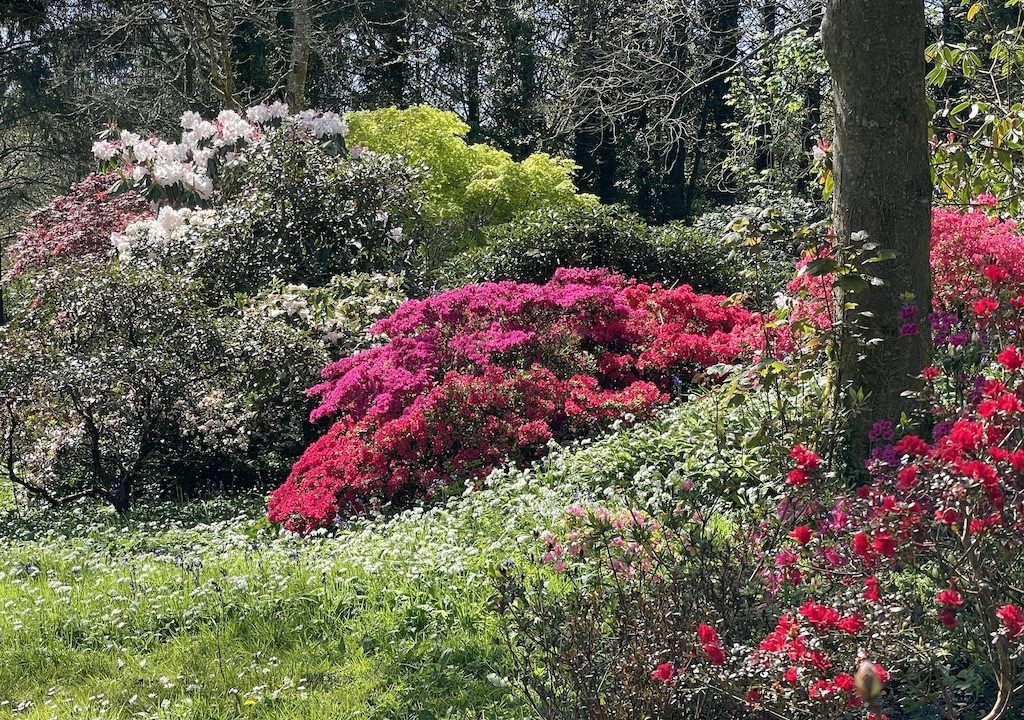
532 247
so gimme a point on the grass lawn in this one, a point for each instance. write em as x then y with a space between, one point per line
205 611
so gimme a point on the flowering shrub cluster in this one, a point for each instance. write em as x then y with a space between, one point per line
876 601
117 380
474 376
191 165
77 224
970 250
339 313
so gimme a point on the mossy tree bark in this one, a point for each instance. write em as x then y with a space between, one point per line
875 49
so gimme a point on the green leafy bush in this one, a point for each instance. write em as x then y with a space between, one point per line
763 239
117 379
302 214
532 247
467 185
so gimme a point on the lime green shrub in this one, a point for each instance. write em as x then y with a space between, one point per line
468 185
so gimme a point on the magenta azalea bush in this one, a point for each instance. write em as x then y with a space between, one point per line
487 373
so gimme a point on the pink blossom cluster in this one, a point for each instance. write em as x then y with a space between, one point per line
79 223
487 373
970 246
973 256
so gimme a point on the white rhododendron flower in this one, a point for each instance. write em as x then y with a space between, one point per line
104 150
129 139
167 172
190 119
169 218
278 110
144 151
206 145
258 113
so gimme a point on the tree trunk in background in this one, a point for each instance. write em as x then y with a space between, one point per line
762 144
299 65
875 49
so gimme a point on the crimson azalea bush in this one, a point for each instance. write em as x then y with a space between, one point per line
77 224
484 373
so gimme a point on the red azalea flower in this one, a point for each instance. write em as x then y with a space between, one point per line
906 478
1012 619
822 617
851 624
995 274
947 516
948 618
1011 358
797 477
791 675
931 372
707 635
715 654
844 682
664 673
985 307
861 544
949 599
910 445
871 589
805 458
802 534
884 544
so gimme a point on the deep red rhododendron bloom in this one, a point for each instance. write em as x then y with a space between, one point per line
861 544
802 534
1011 358
711 644
474 377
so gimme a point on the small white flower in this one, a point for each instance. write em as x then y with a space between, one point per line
190 119
104 150
258 113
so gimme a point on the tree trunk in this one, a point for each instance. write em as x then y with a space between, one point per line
298 67
875 49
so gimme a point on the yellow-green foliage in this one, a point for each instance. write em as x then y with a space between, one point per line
472 183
